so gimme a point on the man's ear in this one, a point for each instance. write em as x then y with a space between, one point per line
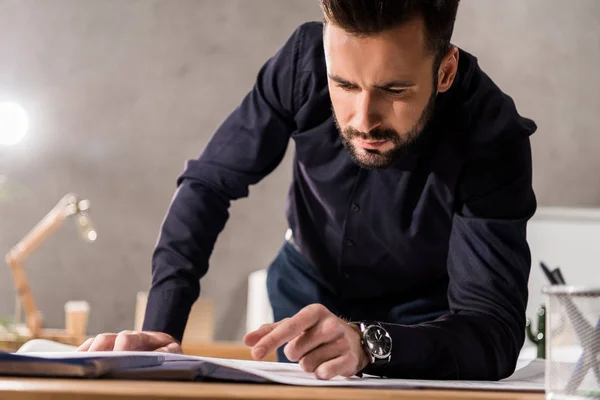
447 71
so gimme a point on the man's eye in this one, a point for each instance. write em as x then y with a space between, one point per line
345 86
395 91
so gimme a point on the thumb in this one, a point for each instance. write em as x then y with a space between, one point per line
155 340
171 348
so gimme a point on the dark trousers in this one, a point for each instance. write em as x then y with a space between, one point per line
294 283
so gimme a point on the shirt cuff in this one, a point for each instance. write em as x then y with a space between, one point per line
167 311
416 354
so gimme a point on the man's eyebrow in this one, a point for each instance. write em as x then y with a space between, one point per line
396 84
338 79
400 83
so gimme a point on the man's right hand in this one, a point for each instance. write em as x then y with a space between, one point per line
132 341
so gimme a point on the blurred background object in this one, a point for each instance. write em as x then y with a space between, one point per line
9 190
119 93
76 313
13 123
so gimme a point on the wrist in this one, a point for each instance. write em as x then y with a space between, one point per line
364 358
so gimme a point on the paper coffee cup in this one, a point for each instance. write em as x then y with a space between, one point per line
76 317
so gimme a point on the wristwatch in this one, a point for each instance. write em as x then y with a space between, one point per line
376 341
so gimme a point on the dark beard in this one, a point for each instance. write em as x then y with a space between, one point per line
404 144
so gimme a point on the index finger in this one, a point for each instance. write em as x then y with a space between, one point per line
253 337
305 319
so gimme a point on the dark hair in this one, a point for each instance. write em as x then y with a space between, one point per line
368 17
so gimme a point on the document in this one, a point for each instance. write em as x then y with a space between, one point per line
81 366
529 375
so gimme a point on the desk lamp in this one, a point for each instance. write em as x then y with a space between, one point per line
69 206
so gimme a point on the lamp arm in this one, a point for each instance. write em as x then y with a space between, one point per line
19 253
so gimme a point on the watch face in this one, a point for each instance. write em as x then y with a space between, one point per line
378 341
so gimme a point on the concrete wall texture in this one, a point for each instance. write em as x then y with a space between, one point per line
121 92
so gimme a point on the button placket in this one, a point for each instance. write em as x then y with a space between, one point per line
348 244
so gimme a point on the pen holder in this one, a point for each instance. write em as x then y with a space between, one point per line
572 342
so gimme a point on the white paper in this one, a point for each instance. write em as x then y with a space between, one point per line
529 375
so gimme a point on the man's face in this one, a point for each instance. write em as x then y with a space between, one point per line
382 90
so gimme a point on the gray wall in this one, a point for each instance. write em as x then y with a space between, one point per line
121 92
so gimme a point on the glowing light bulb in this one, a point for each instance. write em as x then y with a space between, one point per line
13 123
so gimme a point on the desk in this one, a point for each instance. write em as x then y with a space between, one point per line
69 389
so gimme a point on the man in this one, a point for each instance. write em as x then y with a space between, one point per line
407 254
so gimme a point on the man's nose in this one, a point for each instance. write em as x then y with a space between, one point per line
366 117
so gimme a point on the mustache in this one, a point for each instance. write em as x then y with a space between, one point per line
373 135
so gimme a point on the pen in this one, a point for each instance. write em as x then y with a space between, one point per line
548 274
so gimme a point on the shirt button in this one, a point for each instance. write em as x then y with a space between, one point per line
349 243
355 207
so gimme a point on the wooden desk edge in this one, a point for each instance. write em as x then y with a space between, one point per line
68 389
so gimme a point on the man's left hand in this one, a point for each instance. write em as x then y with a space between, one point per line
320 341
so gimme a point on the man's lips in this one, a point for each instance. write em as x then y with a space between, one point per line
371 144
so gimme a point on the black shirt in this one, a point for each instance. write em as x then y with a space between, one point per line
449 219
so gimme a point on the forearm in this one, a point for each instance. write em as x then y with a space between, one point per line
488 268
181 255
246 147
456 346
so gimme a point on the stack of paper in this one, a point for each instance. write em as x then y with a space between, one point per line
68 365
529 375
